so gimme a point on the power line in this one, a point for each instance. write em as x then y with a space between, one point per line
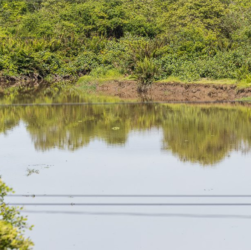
113 103
129 204
126 196
220 216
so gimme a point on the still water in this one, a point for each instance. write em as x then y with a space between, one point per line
130 149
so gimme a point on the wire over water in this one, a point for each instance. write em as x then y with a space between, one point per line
129 196
129 204
113 103
200 216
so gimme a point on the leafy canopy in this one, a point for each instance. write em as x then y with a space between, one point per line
189 39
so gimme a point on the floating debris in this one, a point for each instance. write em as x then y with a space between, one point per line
32 171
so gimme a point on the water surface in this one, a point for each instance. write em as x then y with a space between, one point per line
130 149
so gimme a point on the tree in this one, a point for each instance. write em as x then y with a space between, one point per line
12 225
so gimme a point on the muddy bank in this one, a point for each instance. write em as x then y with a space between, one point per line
175 91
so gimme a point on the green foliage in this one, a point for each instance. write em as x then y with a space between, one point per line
12 225
98 76
145 72
105 72
190 39
10 238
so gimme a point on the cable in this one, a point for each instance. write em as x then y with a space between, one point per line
129 204
127 196
115 103
220 216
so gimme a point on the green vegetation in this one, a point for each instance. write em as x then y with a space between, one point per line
12 225
98 75
145 72
185 39
58 92
246 99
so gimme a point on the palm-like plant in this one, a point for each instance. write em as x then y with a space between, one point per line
145 73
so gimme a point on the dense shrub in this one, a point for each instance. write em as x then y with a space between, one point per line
145 73
190 39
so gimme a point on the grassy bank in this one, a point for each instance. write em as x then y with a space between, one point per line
92 81
99 76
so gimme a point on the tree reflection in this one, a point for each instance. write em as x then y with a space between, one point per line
202 134
207 134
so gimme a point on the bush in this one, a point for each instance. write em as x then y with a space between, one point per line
190 39
11 225
145 73
11 239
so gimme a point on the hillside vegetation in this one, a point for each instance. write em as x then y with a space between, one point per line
187 39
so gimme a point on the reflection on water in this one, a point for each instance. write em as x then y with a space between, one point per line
116 158
201 134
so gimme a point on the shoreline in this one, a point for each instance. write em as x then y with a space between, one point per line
159 91
175 92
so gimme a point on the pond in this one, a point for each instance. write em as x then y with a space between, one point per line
130 153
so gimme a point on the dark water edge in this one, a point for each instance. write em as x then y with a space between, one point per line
67 92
